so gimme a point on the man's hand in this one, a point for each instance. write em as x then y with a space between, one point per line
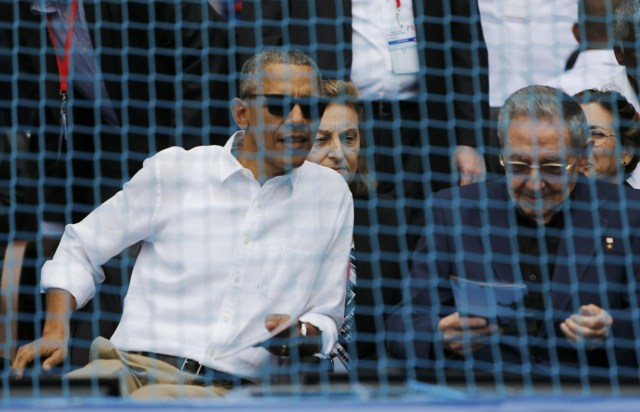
460 335
592 326
51 348
281 343
470 165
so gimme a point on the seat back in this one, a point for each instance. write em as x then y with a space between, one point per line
9 291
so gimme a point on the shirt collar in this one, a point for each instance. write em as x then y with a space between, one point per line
589 58
634 179
230 165
47 7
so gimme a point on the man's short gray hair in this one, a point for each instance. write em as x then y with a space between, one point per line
252 69
626 18
543 102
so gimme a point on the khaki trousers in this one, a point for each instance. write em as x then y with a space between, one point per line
142 377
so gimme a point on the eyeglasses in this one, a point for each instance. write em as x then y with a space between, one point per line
524 169
281 105
600 135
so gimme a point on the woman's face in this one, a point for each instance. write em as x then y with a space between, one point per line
607 158
337 143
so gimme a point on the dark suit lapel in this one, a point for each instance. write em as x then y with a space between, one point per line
578 251
95 15
90 15
109 63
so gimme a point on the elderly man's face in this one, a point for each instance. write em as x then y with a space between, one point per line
280 116
545 145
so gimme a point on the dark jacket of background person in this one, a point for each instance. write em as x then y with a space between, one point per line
150 58
265 23
586 271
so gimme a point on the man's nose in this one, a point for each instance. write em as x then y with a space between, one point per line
296 115
534 180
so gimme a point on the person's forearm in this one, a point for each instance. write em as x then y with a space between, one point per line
60 305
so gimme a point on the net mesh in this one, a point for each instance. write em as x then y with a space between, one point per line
146 76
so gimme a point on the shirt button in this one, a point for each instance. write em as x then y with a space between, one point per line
246 240
532 277
212 352
236 279
226 318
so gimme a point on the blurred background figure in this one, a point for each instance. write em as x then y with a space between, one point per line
595 62
625 49
615 136
375 273
528 42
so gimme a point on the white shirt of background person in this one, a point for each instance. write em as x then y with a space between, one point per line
372 69
529 42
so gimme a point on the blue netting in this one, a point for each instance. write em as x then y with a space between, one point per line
153 75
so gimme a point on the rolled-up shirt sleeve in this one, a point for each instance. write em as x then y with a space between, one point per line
118 223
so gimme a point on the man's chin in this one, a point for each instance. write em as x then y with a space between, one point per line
540 216
293 162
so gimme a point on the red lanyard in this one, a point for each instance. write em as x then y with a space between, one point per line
63 63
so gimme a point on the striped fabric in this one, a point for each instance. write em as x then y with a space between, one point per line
341 349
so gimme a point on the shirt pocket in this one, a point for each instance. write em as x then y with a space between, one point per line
286 272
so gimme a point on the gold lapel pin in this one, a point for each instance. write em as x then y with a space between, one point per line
609 242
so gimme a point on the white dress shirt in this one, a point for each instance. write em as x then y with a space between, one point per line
620 83
529 42
592 69
220 253
371 69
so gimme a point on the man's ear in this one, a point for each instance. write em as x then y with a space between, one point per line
583 165
575 29
619 53
240 113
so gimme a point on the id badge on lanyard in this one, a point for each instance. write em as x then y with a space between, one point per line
403 46
63 67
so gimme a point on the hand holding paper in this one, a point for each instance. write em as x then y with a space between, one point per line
495 301
462 334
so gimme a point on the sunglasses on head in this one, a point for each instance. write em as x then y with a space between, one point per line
281 105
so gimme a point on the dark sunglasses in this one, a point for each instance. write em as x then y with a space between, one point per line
281 105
